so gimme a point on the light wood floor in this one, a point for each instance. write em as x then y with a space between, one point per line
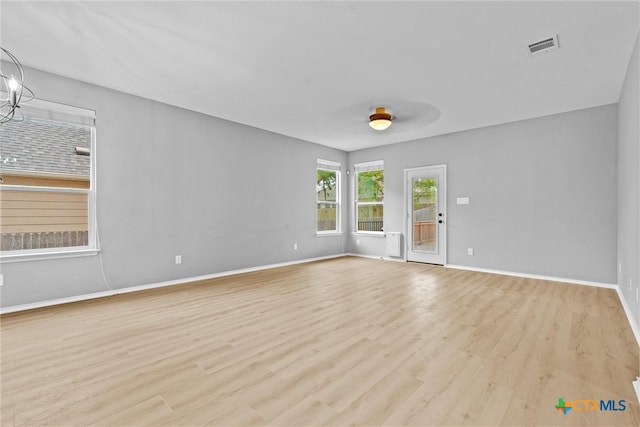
350 341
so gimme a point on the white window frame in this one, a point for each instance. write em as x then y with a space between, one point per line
365 167
60 113
329 165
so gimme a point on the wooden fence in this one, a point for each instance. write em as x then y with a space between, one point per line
424 232
370 224
326 224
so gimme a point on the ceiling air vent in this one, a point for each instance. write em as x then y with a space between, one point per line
543 46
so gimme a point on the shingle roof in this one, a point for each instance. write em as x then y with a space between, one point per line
44 147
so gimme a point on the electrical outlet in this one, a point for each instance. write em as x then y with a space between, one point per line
620 268
1 279
637 295
178 259
469 251
295 246
357 241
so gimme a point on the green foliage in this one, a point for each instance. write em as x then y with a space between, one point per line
371 186
326 182
424 191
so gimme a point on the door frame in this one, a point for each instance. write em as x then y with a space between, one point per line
406 214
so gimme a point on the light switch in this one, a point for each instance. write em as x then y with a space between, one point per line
462 200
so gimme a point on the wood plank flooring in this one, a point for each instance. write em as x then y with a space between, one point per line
349 341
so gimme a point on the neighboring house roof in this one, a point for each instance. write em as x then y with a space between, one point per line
43 147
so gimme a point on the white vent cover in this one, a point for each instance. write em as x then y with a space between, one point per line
393 243
543 46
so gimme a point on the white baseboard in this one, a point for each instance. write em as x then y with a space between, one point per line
41 304
365 256
58 301
627 310
383 258
394 259
535 276
77 298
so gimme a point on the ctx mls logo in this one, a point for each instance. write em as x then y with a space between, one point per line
563 406
588 405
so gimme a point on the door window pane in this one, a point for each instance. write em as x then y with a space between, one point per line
425 216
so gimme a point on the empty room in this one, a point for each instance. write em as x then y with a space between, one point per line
320 213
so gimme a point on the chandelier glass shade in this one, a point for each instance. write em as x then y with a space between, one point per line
12 86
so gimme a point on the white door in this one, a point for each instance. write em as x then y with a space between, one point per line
425 194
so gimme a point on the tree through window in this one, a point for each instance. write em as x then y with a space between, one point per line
328 196
370 197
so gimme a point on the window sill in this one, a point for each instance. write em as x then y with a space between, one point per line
328 233
42 254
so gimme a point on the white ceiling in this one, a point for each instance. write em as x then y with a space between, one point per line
316 70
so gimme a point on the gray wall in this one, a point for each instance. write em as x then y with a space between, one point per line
629 185
170 181
542 194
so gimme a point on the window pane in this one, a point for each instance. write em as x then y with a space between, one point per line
327 194
326 185
425 198
327 217
45 154
370 217
33 150
371 186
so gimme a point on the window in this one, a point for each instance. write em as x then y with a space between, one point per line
328 196
369 181
46 184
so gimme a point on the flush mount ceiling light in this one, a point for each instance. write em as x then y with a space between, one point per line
380 120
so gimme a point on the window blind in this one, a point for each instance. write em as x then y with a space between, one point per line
328 165
369 166
51 111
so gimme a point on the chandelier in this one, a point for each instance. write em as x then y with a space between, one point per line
12 87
